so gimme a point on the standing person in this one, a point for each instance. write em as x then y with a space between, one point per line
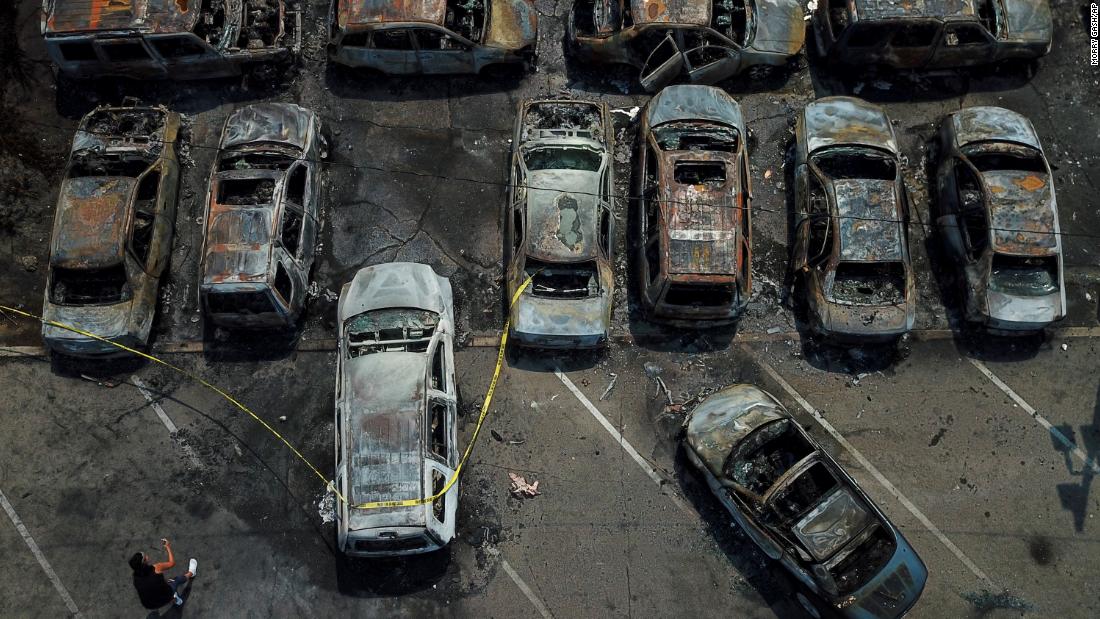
153 589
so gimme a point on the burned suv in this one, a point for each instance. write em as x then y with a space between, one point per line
708 40
997 217
396 438
433 36
168 38
933 34
694 256
851 251
112 234
560 228
801 508
262 216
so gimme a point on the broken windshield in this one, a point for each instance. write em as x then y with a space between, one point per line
869 283
91 163
696 136
89 286
1025 276
254 161
389 330
245 191
562 281
855 163
562 158
1023 160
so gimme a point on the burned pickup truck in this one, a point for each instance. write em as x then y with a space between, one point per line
851 251
694 254
396 406
433 36
931 34
112 233
706 40
997 217
262 217
560 228
802 509
175 39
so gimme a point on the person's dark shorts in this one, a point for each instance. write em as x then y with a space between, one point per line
178 582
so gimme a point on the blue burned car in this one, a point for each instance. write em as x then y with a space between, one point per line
801 508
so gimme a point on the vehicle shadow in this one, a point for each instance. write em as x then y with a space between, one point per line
108 372
760 574
1074 497
244 346
352 83
368 578
539 360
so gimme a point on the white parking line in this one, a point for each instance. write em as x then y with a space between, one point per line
649 469
870 468
1030 410
166 420
37 552
539 606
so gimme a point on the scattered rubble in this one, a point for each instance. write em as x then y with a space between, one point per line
521 489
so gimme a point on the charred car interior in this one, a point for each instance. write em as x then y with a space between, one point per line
694 250
168 38
112 233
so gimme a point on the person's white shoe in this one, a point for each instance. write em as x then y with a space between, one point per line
179 600
193 567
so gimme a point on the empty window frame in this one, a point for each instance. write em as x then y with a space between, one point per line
145 207
438 425
439 506
256 302
129 51
394 39
245 191
178 47
89 286
699 295
296 185
439 374
283 284
291 229
77 51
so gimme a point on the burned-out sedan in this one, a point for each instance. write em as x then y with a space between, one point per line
262 216
174 39
801 508
705 40
998 219
395 411
112 233
433 36
560 228
931 34
694 254
851 251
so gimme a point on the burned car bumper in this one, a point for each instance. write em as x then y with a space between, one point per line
560 323
111 323
1009 315
373 544
863 323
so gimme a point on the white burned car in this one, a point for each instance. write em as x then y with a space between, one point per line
395 411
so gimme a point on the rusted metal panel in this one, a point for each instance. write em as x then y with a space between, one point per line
886 9
846 120
1021 212
870 226
561 224
513 24
282 123
984 123
351 13
694 104
703 220
686 12
92 221
159 16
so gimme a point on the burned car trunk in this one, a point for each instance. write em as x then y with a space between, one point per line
801 508
396 411
560 225
168 38
935 34
112 233
705 41
997 217
433 36
694 254
262 217
851 252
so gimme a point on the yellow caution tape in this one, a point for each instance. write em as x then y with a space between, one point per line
273 431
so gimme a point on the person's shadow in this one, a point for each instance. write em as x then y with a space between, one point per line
173 611
1075 496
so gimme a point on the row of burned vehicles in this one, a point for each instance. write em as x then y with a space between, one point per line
700 41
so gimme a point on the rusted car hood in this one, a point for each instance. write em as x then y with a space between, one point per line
869 226
513 24
846 120
689 102
106 321
1029 19
91 225
64 16
384 399
725 418
1021 201
780 26
562 317
703 222
238 244
561 226
282 123
358 12
985 123
397 284
687 12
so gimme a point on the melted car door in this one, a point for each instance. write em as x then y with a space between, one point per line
712 61
663 65
442 53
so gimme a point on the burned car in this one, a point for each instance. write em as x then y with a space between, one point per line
395 411
694 254
851 250
706 40
433 36
933 34
112 233
172 39
801 508
560 228
998 219
262 217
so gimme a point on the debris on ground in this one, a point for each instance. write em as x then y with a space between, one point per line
610 386
521 489
29 263
986 601
496 436
102 382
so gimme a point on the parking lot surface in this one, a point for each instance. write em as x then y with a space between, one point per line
981 450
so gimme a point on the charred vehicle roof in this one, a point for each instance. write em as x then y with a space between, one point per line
160 16
806 510
509 24
832 121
